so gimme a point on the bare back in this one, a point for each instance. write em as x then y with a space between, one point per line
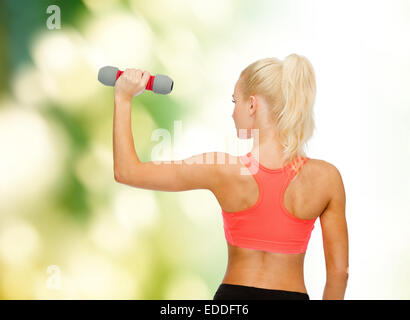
306 197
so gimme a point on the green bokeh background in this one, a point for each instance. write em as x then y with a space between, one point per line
65 240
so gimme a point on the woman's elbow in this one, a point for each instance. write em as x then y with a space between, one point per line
117 176
120 174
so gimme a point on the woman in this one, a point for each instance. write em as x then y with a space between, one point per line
270 197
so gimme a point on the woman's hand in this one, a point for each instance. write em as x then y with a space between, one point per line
131 83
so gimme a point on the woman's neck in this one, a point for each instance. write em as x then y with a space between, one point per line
266 146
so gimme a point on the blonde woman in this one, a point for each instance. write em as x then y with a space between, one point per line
271 197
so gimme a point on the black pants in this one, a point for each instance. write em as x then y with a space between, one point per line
240 292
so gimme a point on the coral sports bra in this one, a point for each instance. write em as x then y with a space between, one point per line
267 225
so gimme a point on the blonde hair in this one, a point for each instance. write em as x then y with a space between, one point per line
289 87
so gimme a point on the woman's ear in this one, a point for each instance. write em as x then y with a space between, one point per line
252 107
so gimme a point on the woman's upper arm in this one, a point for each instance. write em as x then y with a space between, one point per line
334 227
196 172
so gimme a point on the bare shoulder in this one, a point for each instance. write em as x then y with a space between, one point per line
227 167
330 171
326 175
221 163
321 166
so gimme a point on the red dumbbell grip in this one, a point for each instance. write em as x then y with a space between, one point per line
149 84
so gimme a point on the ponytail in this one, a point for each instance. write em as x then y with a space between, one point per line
289 87
295 121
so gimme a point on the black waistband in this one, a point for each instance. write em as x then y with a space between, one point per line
238 287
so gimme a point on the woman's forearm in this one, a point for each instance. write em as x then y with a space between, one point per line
335 287
123 142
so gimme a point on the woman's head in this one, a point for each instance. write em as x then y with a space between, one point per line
276 94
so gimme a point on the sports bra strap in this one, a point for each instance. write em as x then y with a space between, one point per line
296 165
293 166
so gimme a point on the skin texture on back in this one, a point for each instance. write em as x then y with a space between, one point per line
306 197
